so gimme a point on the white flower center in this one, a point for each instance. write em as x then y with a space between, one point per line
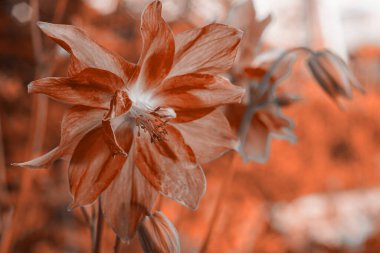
148 115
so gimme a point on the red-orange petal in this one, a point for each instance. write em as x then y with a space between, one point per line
92 168
210 49
85 52
157 234
252 28
127 200
171 167
209 137
90 87
265 125
158 47
197 93
333 75
119 105
77 122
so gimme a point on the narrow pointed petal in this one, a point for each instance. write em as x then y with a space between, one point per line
157 234
127 200
85 52
170 166
119 105
110 139
209 137
210 50
158 47
90 87
197 93
77 122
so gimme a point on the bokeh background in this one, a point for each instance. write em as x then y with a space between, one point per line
319 195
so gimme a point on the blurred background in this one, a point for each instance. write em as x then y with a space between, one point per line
319 195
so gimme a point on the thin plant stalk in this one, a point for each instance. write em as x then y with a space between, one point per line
2 160
90 221
225 185
243 128
3 191
38 124
116 246
99 230
85 215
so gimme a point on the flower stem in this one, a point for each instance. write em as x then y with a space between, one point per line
117 244
2 162
264 81
38 127
99 230
225 185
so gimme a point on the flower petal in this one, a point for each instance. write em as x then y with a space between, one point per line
265 124
209 137
85 52
120 104
157 234
197 92
333 75
170 166
90 87
127 200
210 49
77 122
252 27
256 144
92 168
158 47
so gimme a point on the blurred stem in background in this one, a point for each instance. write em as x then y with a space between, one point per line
224 187
6 209
38 123
99 229
2 162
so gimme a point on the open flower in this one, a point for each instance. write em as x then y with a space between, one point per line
263 118
138 129
259 118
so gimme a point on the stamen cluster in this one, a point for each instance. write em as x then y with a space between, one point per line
154 123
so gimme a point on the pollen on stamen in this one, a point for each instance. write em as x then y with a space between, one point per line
154 123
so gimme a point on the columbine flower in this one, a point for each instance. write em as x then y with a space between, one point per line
262 118
333 74
259 118
136 130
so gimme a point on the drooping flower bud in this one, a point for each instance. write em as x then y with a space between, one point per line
333 74
157 234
